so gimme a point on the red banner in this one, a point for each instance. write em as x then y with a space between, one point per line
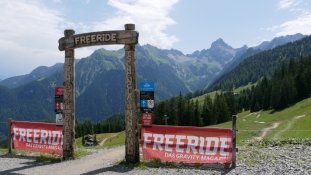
37 136
187 144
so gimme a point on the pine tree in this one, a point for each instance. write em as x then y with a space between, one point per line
197 115
221 109
180 108
276 95
207 110
301 86
172 113
159 112
231 102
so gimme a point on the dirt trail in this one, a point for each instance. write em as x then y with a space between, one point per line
288 125
300 116
264 131
102 161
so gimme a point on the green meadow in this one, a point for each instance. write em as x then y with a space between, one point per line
292 122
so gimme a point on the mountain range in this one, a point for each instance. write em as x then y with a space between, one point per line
261 64
100 79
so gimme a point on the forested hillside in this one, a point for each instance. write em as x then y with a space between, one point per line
262 64
289 84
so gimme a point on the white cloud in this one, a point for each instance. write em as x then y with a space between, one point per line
300 23
287 4
150 17
29 35
30 30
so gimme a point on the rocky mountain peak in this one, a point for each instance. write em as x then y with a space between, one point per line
220 43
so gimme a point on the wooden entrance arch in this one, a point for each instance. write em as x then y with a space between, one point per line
70 41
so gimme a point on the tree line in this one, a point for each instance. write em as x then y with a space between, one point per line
184 111
288 85
115 123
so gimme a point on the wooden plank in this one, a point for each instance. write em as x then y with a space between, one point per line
98 38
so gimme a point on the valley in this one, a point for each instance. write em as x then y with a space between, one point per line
100 76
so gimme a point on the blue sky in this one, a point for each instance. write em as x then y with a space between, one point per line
30 29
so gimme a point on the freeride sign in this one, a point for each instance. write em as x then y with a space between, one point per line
187 144
99 38
37 136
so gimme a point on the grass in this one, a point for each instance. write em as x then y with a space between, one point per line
82 151
202 97
37 156
118 140
48 158
3 151
212 94
291 126
99 137
248 86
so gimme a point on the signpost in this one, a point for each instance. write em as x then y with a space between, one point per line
128 37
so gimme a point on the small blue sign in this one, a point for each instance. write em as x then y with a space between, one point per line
143 104
146 86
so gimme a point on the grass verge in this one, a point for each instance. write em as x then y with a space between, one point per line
294 123
117 140
3 151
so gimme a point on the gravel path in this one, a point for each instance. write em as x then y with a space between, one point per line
288 159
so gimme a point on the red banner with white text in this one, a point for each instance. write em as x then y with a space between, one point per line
37 136
187 144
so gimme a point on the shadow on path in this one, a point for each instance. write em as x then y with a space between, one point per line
114 168
127 168
31 162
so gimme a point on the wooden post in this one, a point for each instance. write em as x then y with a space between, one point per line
10 136
131 118
233 141
69 101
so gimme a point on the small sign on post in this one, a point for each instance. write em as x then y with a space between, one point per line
146 103
146 119
59 105
146 96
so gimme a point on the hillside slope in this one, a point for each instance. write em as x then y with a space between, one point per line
293 122
262 64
